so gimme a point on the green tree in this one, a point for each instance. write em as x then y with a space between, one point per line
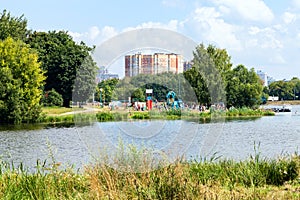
285 90
244 88
197 82
21 81
159 90
138 95
296 87
62 58
222 61
85 85
265 94
14 27
208 73
108 87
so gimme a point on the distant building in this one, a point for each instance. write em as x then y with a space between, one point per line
263 76
103 74
153 64
267 80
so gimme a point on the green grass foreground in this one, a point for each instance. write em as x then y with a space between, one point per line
255 178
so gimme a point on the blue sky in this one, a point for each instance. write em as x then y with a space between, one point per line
260 34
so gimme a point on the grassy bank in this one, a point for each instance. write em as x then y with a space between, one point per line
106 115
255 178
52 111
247 112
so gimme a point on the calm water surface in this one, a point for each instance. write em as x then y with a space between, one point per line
277 135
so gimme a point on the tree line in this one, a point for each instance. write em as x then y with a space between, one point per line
285 90
49 68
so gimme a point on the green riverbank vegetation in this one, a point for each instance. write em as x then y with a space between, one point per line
125 115
215 178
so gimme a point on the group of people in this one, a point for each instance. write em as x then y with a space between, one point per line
161 106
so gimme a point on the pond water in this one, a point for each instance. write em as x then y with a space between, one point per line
78 145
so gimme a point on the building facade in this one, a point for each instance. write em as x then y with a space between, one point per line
152 64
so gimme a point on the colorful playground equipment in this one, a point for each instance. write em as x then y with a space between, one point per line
171 102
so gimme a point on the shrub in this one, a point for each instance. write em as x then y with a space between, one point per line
140 115
52 98
104 116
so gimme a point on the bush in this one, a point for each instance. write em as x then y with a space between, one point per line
52 98
104 116
140 115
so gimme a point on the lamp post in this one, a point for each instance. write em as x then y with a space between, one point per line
101 97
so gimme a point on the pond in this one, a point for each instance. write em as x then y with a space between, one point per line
79 145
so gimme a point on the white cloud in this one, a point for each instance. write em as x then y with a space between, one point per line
251 43
108 32
94 32
208 23
94 35
224 9
277 59
296 3
289 17
254 10
171 25
253 30
265 38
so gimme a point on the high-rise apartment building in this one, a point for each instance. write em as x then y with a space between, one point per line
153 64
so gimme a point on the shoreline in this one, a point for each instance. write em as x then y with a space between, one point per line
105 115
291 102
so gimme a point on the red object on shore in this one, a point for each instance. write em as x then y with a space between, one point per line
149 104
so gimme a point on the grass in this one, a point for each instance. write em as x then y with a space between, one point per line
54 115
58 110
255 178
241 112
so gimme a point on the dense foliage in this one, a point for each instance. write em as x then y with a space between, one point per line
52 98
21 81
62 58
286 90
135 87
243 88
213 79
14 27
107 87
